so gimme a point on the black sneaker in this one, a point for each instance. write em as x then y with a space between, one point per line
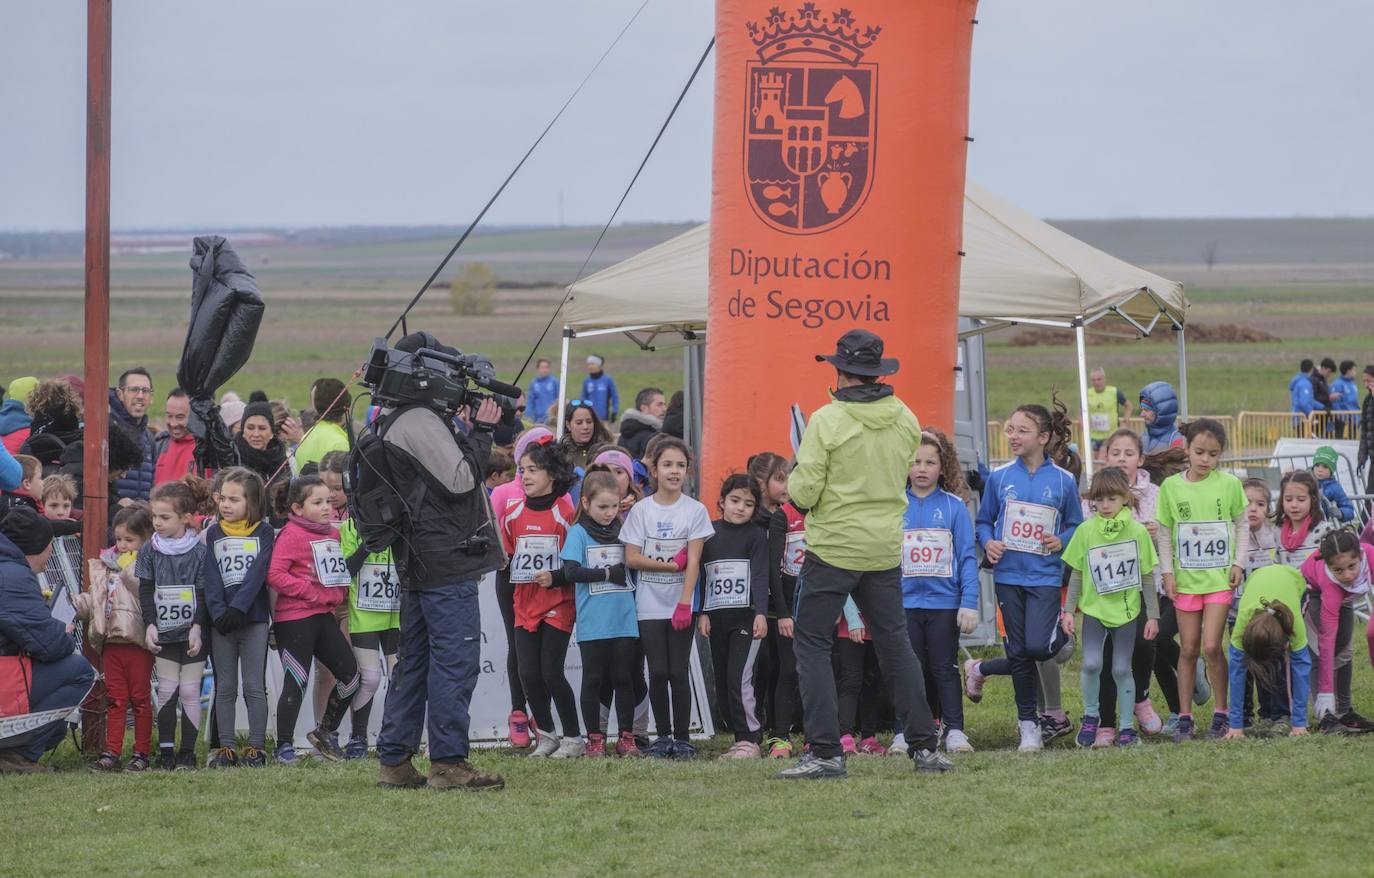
1356 724
186 761
931 761
1051 728
1184 730
253 757
223 757
326 745
166 759
1331 725
812 767
1221 724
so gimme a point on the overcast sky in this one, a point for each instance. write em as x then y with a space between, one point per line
263 112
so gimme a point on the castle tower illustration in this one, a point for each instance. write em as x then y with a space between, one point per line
770 101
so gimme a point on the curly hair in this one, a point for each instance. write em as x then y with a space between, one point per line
55 402
951 475
550 458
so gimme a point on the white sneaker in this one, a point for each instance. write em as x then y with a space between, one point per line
957 742
1031 737
898 747
570 748
548 743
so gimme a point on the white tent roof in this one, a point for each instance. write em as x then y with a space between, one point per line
1016 268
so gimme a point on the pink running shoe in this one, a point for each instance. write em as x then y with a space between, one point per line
847 745
596 746
1106 737
626 746
1149 721
973 681
519 729
870 747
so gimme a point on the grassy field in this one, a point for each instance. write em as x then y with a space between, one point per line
1254 807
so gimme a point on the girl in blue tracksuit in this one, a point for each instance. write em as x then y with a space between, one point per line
939 578
1029 511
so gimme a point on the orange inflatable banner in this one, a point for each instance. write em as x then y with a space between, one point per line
836 202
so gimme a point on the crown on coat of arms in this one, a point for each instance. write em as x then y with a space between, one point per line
808 30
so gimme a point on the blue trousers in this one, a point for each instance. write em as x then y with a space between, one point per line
1031 618
439 661
56 685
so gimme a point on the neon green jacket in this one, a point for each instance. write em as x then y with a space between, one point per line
851 475
324 437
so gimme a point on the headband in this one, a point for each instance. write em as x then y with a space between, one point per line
618 458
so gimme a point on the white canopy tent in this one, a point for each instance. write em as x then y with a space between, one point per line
1016 270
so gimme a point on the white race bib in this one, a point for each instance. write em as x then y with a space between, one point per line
176 606
1027 524
1202 545
726 584
379 591
235 555
603 558
1099 422
794 553
534 554
329 564
928 551
662 550
1259 558
1115 566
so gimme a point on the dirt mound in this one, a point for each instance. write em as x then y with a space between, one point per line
1197 333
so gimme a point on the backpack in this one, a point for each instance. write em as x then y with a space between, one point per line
375 501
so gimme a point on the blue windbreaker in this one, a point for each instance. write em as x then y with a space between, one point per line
1300 394
543 396
943 511
1050 485
601 393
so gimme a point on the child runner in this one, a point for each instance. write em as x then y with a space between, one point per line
1264 545
1299 518
533 532
1270 643
1029 512
786 551
734 603
310 576
1339 578
664 535
171 577
607 629
331 470
240 550
1203 539
939 581
374 626
1112 559
1324 462
115 629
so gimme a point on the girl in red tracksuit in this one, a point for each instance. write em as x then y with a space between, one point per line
533 530
310 577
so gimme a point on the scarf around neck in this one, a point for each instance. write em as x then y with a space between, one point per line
1292 538
313 527
1361 583
179 546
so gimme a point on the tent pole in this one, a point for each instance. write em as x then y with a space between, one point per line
1182 374
1085 451
562 384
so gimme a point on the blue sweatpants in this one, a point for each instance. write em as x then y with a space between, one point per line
1030 615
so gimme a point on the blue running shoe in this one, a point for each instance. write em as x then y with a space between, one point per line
684 750
661 748
1087 731
285 754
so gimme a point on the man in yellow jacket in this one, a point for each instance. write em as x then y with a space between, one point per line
850 479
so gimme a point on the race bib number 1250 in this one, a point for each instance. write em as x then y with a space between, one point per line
329 564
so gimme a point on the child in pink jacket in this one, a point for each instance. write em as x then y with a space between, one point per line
1338 574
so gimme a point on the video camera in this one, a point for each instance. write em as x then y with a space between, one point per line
421 371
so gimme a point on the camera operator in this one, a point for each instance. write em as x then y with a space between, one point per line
449 541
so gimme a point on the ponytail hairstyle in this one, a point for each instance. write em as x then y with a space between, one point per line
764 465
951 476
1057 424
669 443
1265 641
1111 481
253 491
1314 491
1209 426
1342 541
550 458
1162 464
136 519
300 488
602 481
1260 485
1126 433
186 496
740 482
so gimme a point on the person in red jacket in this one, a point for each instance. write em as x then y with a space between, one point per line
175 446
311 578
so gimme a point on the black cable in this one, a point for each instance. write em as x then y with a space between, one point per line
664 127
516 170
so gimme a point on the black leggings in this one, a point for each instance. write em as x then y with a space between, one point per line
734 658
668 653
1142 666
299 642
934 638
505 600
1166 656
609 663
785 697
858 686
542 653
639 687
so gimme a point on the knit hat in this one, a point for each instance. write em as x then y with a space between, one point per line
255 409
1325 456
529 437
231 410
20 388
76 382
28 530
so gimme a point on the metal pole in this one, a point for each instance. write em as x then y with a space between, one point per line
562 386
95 457
1086 450
1182 374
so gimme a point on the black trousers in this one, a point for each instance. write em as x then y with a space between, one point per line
505 601
542 654
784 698
858 687
300 641
668 653
1166 656
734 658
609 664
935 639
638 685
821 591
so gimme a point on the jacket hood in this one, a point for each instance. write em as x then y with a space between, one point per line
10 552
873 405
1160 397
13 416
639 420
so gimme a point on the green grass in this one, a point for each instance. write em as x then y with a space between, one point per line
1254 807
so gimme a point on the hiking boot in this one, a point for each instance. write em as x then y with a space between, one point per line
570 747
519 725
166 759
1221 724
1052 727
779 748
138 763
107 762
931 761
870 747
326 745
462 776
1145 716
1087 731
847 745
741 750
547 746
253 757
628 746
13 763
286 754
1202 690
1331 725
957 742
400 777
812 767
186 761
356 749
684 750
1128 738
223 757
596 746
1184 730
1106 737
661 748
1356 724
973 681
1032 736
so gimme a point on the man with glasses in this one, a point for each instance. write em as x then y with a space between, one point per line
129 409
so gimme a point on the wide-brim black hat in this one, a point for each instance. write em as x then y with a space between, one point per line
860 352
